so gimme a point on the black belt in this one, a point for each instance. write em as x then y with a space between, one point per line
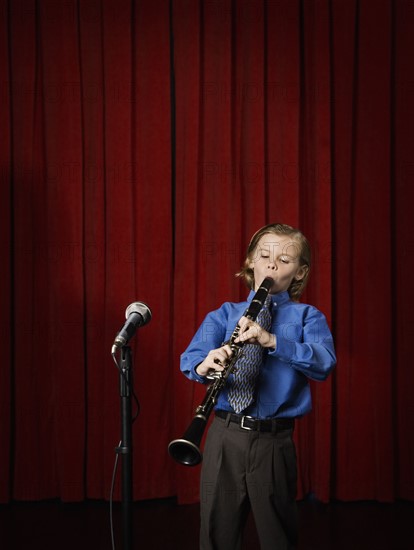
257 424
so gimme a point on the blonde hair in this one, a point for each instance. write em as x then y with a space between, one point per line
297 286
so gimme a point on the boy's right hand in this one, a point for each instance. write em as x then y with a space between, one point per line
215 360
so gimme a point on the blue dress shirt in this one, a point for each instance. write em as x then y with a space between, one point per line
304 349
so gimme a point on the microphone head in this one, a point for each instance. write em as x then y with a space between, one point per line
142 309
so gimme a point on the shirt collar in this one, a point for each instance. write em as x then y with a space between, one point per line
277 299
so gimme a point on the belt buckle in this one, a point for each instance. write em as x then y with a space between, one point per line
242 422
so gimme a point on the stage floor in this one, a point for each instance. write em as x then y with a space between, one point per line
162 524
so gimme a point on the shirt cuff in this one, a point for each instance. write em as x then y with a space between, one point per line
285 352
198 377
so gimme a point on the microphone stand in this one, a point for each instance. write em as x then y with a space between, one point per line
125 448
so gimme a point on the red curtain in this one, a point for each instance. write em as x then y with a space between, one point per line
142 144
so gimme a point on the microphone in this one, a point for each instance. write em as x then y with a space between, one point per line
137 315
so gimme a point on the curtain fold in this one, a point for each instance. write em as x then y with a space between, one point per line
143 144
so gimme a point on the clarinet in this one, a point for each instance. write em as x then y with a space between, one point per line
186 450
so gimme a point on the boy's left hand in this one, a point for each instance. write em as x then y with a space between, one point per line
252 333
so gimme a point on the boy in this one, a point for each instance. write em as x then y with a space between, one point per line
249 455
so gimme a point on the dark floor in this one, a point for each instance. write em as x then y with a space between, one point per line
163 525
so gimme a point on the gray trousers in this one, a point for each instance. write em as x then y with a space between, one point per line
245 470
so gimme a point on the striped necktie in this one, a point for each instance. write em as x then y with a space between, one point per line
241 390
